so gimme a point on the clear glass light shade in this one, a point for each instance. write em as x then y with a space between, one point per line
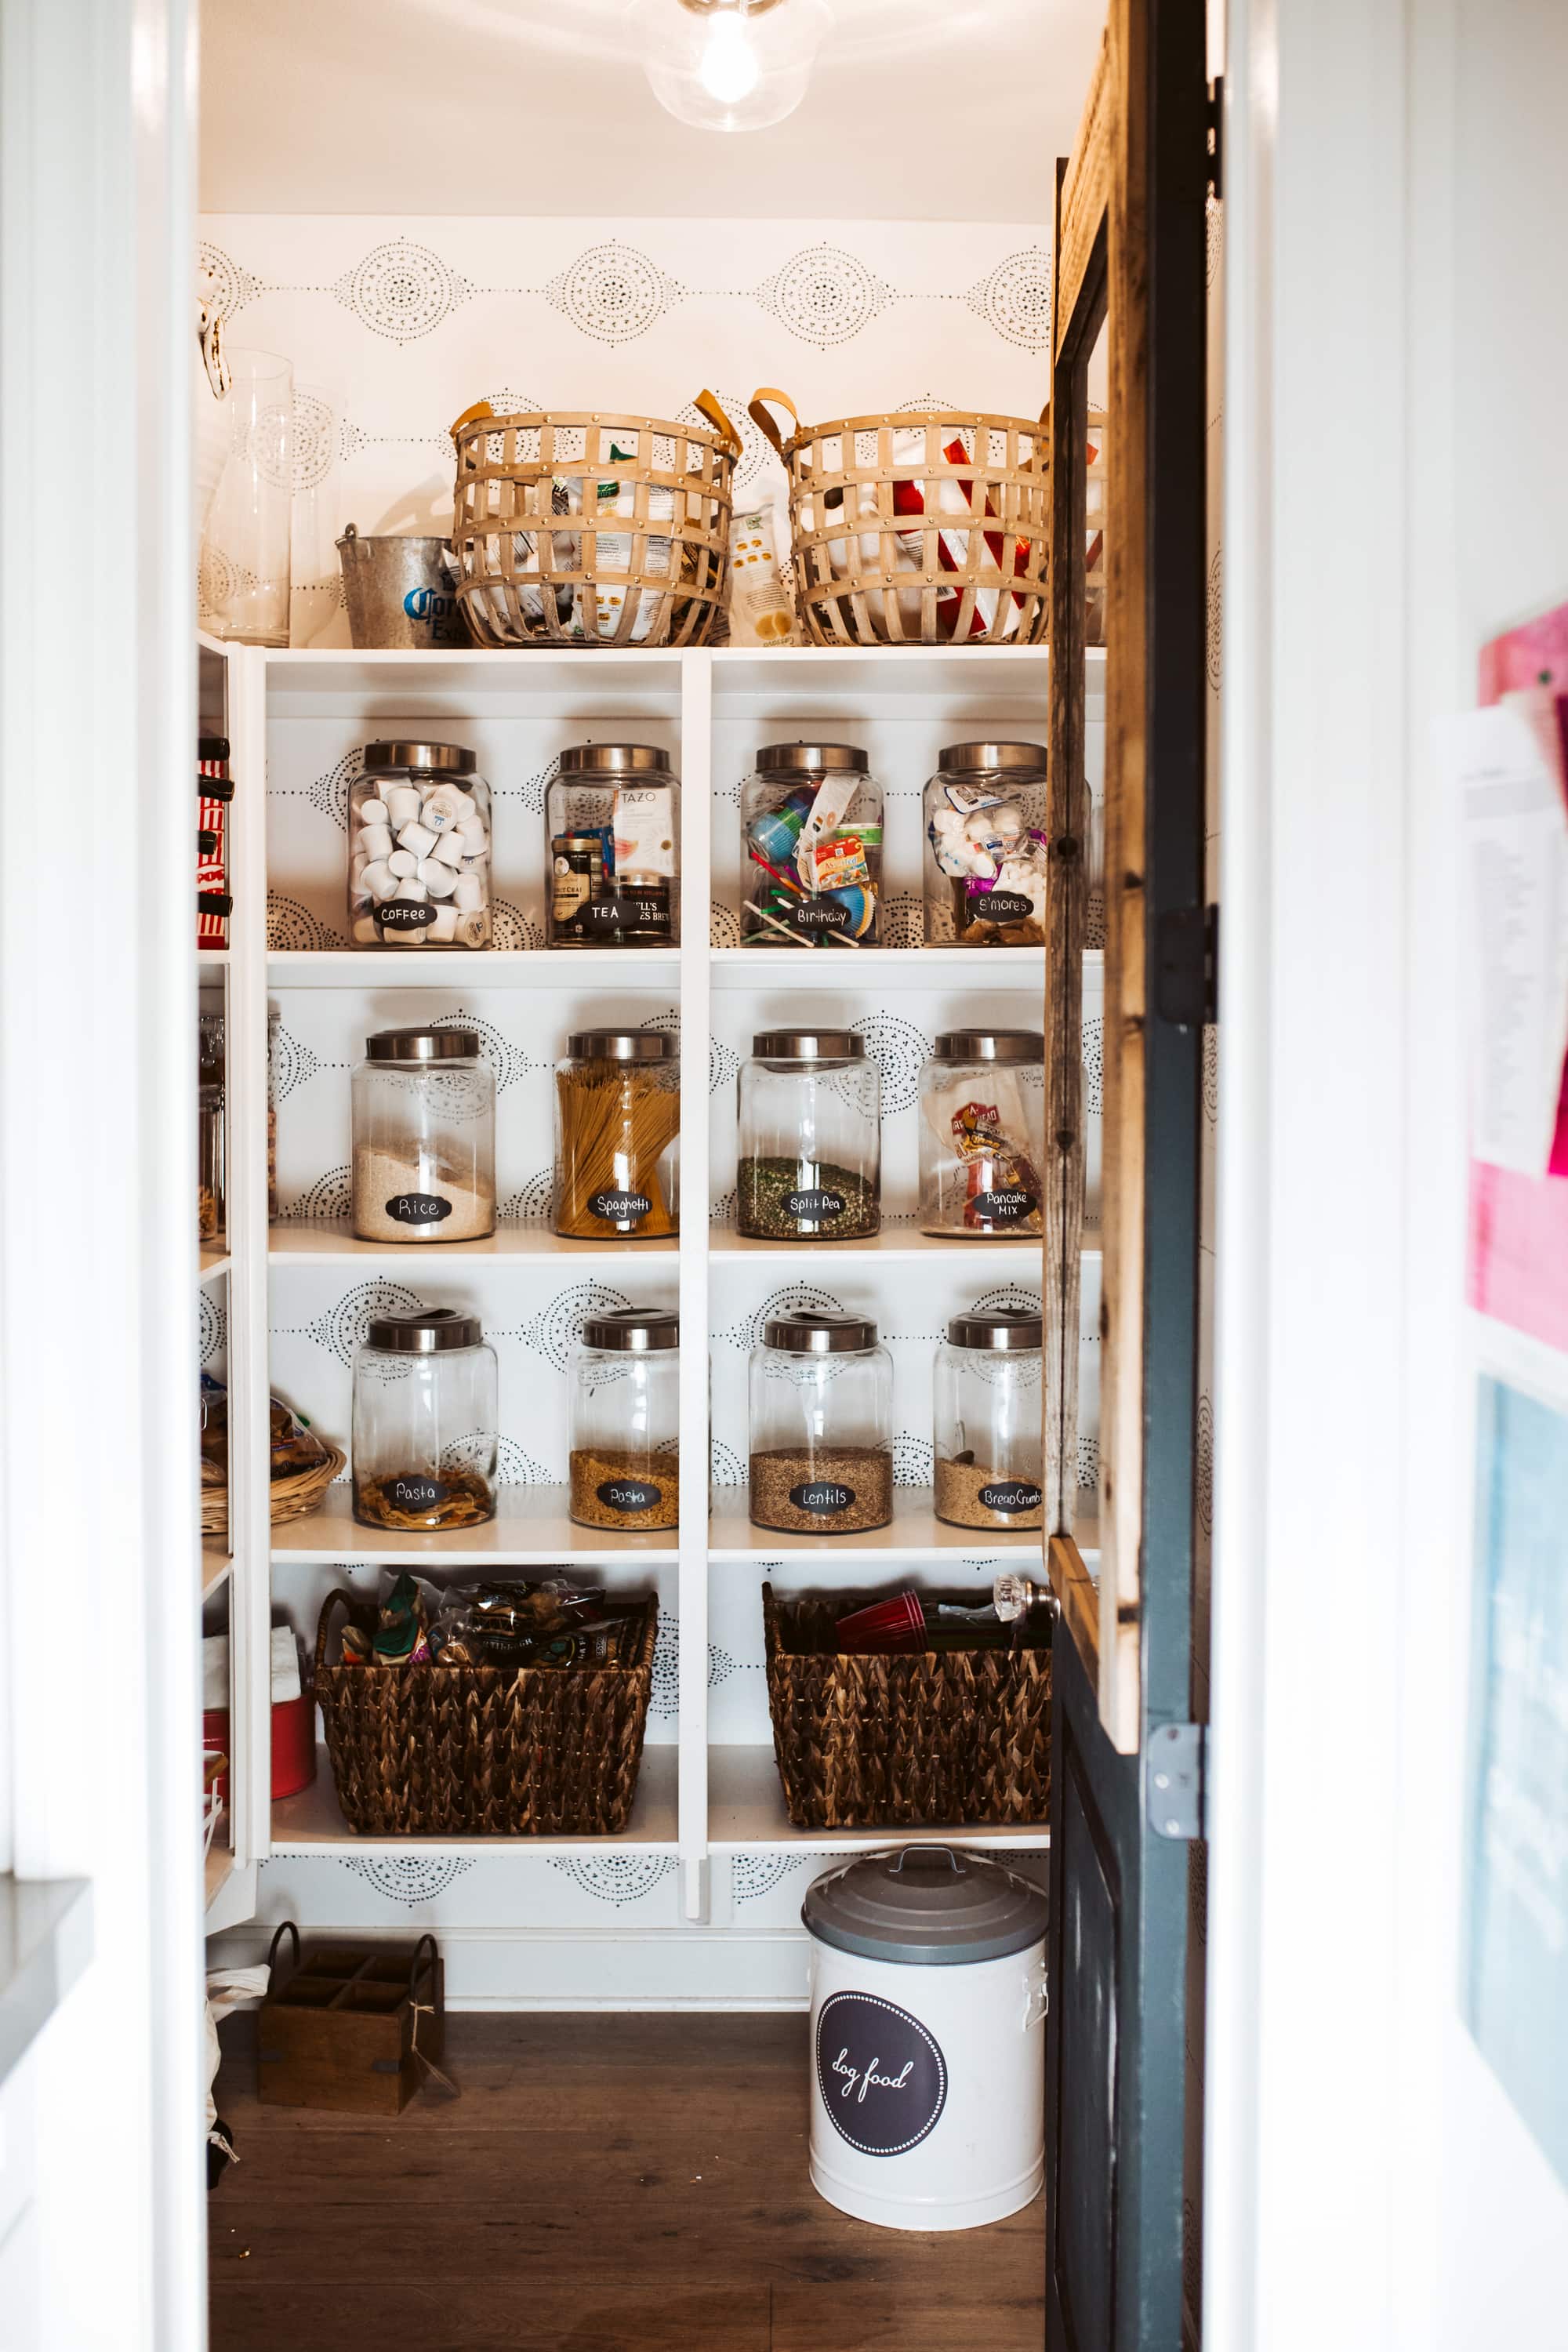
729 65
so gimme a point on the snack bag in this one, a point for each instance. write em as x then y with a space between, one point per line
760 612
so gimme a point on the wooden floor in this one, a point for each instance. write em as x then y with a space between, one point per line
604 2184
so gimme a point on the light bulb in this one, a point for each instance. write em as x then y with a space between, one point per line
728 65
729 70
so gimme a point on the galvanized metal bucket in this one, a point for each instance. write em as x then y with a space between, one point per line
399 593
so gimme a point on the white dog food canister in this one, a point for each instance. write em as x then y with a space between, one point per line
928 2037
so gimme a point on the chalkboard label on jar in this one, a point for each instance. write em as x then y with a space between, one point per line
1008 1205
1011 1495
1002 906
404 914
416 1494
881 2075
609 916
418 1208
823 1496
620 1208
814 1205
628 1495
820 914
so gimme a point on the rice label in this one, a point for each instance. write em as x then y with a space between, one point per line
1008 1205
823 1496
1002 905
628 1495
404 914
814 1205
1012 1494
620 1208
880 2073
416 1494
418 1208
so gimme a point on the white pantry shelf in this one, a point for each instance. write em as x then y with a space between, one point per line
894 1245
211 1262
870 970
531 1530
312 1822
746 1815
220 1864
322 1243
459 968
916 1537
217 1565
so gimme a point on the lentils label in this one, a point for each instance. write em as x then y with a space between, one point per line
418 1208
628 1495
404 914
1004 906
1009 1205
814 1205
825 1496
620 1208
1012 1494
416 1493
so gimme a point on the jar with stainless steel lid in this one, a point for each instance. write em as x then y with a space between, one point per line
625 1420
985 811
809 1164
820 1416
983 1134
617 1124
612 821
987 1427
419 848
425 1422
423 1114
811 830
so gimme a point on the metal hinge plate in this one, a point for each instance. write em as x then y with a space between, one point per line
1186 976
1177 1757
1215 112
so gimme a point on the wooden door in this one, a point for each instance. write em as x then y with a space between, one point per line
1130 255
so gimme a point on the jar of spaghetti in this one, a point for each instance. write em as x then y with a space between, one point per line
986 1421
811 830
425 1422
809 1167
983 1134
985 846
820 1413
617 1123
626 1421
613 815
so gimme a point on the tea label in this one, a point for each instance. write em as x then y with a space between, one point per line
814 1205
620 1208
628 1495
1012 1494
418 1208
822 1496
882 2076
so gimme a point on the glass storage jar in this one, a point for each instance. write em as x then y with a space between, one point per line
986 1402
820 1411
625 1420
419 848
424 1138
613 815
987 846
983 1134
617 1121
209 1128
425 1415
809 1166
811 828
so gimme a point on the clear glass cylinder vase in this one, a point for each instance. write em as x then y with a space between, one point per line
245 567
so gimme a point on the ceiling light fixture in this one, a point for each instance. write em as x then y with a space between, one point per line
729 65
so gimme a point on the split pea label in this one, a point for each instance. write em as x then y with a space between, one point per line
814 1205
882 2076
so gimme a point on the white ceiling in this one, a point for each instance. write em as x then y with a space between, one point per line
919 110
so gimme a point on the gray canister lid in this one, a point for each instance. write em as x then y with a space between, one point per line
931 1906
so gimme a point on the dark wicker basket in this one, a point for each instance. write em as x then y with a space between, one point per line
476 1751
931 1737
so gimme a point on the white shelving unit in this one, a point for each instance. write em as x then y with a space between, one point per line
295 718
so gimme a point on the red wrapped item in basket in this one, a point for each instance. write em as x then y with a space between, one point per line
214 793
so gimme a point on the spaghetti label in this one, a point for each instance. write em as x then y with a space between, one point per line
620 1208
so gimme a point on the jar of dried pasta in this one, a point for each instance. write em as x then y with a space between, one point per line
983 1134
986 1420
625 1420
425 1422
617 1121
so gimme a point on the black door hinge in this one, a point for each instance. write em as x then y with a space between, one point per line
1176 1772
1215 119
1186 975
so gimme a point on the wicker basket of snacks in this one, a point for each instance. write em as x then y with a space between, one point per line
303 1465
917 530
498 1710
593 531
889 1739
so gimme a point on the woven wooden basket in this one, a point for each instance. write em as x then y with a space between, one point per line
882 518
292 1497
895 1742
477 1751
593 531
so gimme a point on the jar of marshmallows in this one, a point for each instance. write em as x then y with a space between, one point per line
419 848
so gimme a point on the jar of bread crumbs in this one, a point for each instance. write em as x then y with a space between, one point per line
425 1422
986 1420
626 1421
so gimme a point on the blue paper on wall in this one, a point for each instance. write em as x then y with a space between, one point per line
1515 1994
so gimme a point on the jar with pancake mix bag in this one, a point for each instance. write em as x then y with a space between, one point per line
983 1134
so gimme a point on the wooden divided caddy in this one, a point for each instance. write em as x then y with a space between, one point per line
349 2024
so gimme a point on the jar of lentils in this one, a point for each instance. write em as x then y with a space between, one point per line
820 1410
809 1167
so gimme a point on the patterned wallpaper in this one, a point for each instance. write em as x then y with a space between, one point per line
396 326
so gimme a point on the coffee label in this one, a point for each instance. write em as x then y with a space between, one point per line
1008 1205
814 1205
822 1496
404 914
620 1208
416 1493
1002 905
628 1495
418 1208
820 914
882 2076
1012 1494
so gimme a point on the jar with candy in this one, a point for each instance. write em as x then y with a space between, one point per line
820 1411
983 1134
617 1122
809 1166
625 1420
987 846
419 848
985 1419
425 1416
811 829
423 1108
613 817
